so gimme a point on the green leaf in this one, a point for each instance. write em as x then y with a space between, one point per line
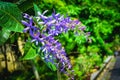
51 66
31 54
36 9
10 17
4 35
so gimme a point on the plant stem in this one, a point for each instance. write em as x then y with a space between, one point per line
58 75
35 70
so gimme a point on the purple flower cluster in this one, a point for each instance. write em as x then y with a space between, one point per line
43 29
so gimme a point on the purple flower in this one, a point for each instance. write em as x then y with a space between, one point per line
56 16
44 29
35 35
26 16
29 25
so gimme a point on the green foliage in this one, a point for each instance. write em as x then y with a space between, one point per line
4 35
116 43
85 64
25 5
51 66
93 49
71 41
36 9
31 54
10 17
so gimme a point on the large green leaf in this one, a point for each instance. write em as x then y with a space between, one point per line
10 17
4 35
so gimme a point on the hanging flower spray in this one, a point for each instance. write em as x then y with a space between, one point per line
43 30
